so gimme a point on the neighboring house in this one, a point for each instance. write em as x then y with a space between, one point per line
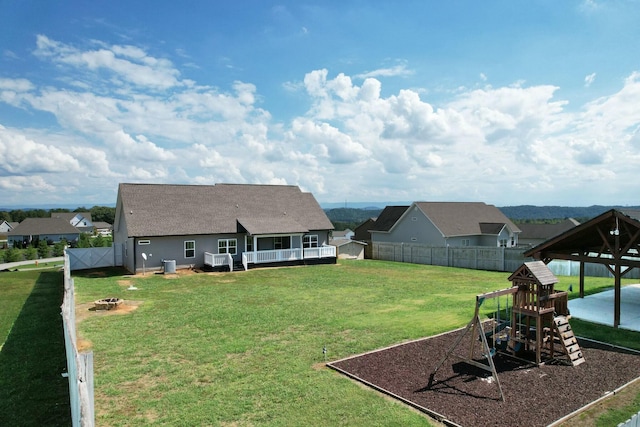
387 218
447 224
219 226
80 220
361 233
52 230
102 228
535 234
6 226
342 235
348 249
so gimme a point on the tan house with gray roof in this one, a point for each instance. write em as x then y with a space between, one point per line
449 224
219 226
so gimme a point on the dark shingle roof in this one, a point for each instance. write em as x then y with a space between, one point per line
41 226
388 217
464 218
166 209
545 231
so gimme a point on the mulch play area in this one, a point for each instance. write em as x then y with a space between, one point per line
467 396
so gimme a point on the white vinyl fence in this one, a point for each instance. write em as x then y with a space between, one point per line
481 258
79 365
631 422
86 258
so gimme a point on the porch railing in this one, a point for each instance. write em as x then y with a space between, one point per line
320 252
218 260
280 255
277 255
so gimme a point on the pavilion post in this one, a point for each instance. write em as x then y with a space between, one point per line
616 312
582 279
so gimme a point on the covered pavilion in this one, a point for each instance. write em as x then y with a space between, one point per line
611 239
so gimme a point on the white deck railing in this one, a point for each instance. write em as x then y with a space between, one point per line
218 260
277 255
320 252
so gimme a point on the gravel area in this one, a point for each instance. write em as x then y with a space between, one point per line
467 396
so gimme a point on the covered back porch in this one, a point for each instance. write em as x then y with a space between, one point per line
274 249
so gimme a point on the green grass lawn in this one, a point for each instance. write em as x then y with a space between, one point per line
32 357
246 348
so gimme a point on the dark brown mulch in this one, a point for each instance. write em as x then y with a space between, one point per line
467 396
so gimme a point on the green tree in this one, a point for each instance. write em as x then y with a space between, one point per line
58 248
103 213
18 215
43 249
98 241
84 241
31 253
12 255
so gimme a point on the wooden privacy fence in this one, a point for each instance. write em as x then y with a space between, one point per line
79 365
481 258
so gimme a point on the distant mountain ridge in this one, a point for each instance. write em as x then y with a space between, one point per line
530 212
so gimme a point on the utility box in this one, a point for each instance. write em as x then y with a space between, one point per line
169 266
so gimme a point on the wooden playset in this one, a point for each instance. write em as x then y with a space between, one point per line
536 329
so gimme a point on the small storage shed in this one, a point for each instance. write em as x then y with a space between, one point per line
348 249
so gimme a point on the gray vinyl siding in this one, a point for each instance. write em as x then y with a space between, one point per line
172 248
412 227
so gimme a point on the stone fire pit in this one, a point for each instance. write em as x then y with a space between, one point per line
107 303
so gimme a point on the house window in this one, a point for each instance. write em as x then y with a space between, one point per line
189 248
228 246
144 242
310 241
465 242
503 243
248 244
281 242
414 218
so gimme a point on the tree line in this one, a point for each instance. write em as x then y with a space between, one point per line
98 213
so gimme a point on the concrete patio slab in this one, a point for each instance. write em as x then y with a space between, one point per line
598 308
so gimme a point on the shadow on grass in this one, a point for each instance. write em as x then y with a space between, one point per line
32 389
101 272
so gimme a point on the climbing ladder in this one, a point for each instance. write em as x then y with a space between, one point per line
568 340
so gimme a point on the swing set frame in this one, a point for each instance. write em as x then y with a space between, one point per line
478 332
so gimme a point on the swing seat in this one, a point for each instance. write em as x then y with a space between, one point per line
499 328
503 344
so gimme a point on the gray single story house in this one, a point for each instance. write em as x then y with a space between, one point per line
52 230
221 226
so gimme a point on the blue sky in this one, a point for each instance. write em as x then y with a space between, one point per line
505 102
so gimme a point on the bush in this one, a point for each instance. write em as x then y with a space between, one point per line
31 253
12 255
98 241
84 241
58 248
43 249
